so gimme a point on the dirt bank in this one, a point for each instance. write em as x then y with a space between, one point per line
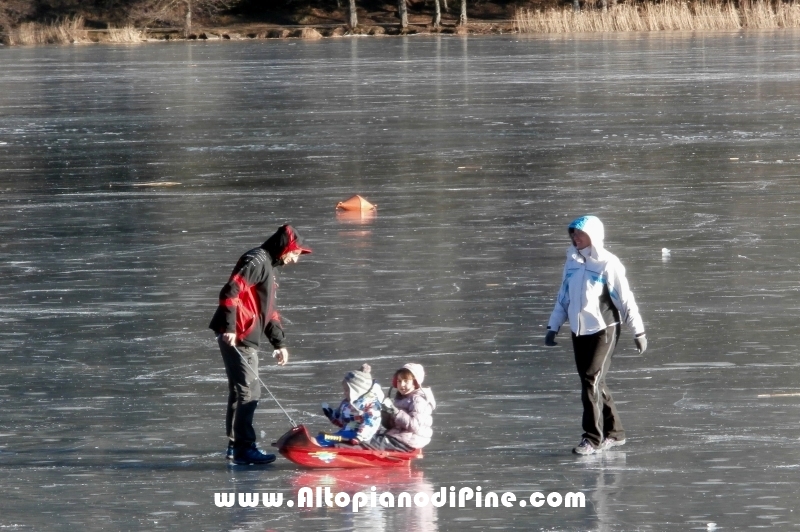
87 22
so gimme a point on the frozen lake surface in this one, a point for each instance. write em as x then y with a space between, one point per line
478 152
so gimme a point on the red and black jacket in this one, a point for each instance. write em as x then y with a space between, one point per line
247 301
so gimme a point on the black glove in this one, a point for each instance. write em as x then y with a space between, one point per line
328 411
641 343
388 406
550 338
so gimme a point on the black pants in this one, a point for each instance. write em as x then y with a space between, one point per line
593 358
384 442
244 390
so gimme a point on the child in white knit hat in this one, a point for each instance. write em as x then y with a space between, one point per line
409 416
358 416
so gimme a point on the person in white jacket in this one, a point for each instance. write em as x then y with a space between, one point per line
596 299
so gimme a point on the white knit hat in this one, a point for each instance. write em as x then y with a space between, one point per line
416 370
360 381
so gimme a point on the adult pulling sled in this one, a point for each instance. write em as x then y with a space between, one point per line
299 447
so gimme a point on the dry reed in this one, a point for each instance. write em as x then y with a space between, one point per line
125 34
69 30
667 15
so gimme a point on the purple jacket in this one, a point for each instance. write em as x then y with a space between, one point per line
414 419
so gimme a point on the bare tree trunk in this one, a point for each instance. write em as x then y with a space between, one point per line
403 13
576 5
187 25
437 17
446 9
462 21
353 15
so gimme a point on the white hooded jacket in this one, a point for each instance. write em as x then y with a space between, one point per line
588 273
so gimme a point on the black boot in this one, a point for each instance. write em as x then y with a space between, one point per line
251 455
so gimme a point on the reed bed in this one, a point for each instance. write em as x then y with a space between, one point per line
125 34
759 15
664 16
69 30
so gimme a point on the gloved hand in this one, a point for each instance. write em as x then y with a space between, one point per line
327 410
641 343
388 406
281 356
550 338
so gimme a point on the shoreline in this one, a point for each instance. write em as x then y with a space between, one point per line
244 32
317 32
672 15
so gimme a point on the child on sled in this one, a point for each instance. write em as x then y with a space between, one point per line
409 415
358 416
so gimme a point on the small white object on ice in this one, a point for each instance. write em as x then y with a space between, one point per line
711 526
665 252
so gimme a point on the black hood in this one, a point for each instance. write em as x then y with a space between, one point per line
285 239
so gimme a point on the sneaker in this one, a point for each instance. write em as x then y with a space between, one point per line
585 447
608 443
251 455
229 451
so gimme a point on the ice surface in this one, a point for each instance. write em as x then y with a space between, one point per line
478 152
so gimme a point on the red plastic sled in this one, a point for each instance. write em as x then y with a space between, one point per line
299 447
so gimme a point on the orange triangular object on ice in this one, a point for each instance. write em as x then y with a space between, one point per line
356 217
356 203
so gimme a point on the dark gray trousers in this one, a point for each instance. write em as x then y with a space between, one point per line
593 359
244 390
384 442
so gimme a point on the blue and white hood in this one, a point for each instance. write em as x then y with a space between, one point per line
592 226
587 273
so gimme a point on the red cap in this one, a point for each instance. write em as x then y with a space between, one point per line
295 244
